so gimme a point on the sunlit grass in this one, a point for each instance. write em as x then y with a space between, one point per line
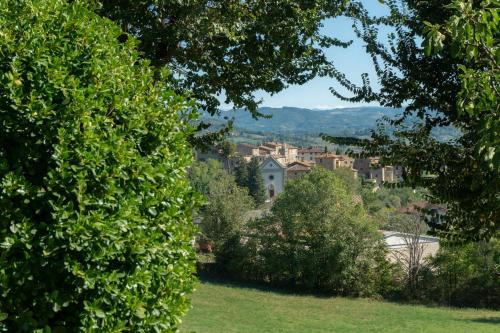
221 308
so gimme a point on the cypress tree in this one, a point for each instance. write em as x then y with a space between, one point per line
241 173
256 182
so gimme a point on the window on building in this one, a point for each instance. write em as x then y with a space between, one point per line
271 177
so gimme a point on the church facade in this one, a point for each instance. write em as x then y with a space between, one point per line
273 174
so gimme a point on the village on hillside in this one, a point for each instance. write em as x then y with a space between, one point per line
280 162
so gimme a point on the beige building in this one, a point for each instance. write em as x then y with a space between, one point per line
309 154
290 152
264 150
369 169
246 149
275 146
331 161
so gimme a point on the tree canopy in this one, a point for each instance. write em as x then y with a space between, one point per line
231 48
317 237
223 215
451 79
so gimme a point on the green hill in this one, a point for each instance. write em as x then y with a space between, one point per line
291 121
227 309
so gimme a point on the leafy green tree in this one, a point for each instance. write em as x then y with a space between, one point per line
473 33
223 216
347 176
228 148
201 174
318 238
95 223
451 80
241 173
256 186
393 201
230 48
466 274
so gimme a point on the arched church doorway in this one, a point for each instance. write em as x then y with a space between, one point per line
271 191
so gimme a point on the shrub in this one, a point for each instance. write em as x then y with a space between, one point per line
317 238
95 223
466 275
223 215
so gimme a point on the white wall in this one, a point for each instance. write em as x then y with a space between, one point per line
273 174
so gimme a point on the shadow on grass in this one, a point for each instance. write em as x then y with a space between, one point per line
217 278
485 320
261 286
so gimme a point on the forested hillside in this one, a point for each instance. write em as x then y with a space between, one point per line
290 121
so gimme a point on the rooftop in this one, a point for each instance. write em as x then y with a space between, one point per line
275 159
298 167
307 164
331 155
312 150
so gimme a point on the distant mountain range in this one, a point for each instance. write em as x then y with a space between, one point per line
347 121
356 121
291 121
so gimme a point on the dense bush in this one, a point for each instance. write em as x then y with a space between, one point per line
466 275
95 223
223 215
316 237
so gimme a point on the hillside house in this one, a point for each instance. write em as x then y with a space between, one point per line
433 214
246 150
309 154
331 161
297 169
275 146
369 170
290 152
264 150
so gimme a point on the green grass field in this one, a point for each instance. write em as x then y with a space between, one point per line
221 308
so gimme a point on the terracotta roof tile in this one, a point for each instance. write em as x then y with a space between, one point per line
298 167
306 164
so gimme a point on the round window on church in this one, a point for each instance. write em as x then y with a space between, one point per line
271 177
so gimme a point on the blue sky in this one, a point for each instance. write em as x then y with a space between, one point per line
353 61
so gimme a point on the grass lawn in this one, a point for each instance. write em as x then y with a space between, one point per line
219 308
